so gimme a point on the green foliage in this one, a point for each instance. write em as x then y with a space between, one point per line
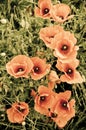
19 34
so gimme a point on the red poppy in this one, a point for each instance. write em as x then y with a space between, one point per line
19 66
65 48
63 109
44 100
47 34
18 112
43 9
60 12
71 75
40 68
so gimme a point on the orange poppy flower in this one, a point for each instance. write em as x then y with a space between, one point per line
44 100
18 112
65 48
63 109
71 75
40 68
60 12
47 34
43 9
19 66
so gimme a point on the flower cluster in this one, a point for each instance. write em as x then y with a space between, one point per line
57 106
22 66
63 43
59 12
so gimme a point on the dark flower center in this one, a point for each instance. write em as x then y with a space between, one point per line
52 36
53 115
42 98
64 48
64 104
45 11
69 71
61 17
20 109
19 70
37 69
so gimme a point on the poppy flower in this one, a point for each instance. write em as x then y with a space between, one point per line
71 75
44 100
65 48
43 9
47 34
18 112
60 12
40 68
19 66
63 109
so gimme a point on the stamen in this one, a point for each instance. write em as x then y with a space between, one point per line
20 109
64 47
64 104
45 11
37 69
61 17
69 71
42 98
53 115
19 70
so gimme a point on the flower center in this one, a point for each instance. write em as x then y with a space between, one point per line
52 36
61 17
42 98
64 104
19 70
53 115
69 71
45 11
37 69
20 109
64 47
